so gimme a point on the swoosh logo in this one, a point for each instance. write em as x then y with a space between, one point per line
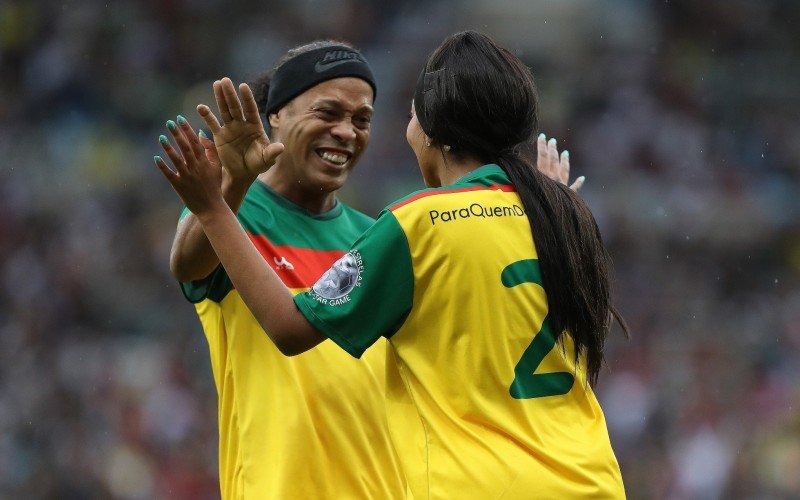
320 66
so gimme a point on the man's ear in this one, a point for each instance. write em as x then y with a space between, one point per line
274 120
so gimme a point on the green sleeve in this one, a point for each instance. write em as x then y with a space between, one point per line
367 293
214 286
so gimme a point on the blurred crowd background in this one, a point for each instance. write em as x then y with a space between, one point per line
683 115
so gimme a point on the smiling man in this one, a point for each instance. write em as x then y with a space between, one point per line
311 426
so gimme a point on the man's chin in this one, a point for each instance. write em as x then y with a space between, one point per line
331 183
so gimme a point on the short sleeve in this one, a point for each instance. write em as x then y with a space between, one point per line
214 286
367 293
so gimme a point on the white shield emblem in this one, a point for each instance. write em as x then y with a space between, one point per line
339 280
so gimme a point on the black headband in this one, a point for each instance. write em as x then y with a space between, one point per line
302 72
425 85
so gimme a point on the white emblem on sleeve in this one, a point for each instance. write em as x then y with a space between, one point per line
341 278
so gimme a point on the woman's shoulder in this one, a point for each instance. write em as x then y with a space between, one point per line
489 177
413 197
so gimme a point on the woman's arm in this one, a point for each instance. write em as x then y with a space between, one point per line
241 145
198 182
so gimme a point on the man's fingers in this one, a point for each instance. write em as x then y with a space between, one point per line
232 99
222 104
208 117
251 114
271 152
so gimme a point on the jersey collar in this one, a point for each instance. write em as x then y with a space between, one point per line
292 206
486 175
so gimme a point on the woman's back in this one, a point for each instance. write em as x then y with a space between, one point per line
479 378
481 401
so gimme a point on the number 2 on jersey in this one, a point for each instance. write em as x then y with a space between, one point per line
527 384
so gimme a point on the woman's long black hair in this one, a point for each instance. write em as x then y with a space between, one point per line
481 101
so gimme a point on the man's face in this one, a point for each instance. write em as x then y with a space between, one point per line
325 130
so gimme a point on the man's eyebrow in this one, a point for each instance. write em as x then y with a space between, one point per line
337 104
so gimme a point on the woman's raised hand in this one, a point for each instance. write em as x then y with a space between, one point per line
553 165
195 178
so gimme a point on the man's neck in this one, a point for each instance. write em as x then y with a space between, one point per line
315 202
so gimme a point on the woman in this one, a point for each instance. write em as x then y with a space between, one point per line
495 340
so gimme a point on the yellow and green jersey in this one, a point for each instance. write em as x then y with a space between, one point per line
310 426
482 402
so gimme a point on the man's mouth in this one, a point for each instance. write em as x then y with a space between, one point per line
337 157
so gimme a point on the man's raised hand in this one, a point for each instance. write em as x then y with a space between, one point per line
241 141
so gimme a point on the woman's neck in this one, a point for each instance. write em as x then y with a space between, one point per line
452 170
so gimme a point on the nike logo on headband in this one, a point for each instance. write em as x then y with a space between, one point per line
335 58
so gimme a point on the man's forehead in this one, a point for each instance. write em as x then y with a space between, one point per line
345 90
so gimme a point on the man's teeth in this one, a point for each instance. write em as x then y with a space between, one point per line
333 157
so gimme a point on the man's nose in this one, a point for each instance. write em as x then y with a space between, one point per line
344 130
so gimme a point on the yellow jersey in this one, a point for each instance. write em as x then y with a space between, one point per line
482 401
310 426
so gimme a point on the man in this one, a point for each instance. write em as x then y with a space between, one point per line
312 426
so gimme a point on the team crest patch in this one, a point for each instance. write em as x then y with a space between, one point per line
338 281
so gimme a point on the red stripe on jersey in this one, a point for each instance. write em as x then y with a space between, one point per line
296 267
509 188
